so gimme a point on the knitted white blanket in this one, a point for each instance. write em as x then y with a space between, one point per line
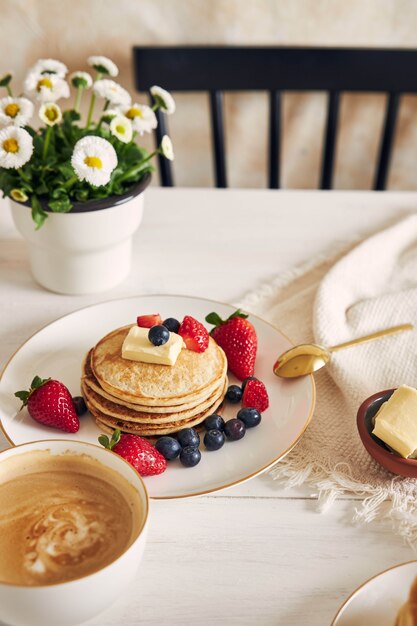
370 287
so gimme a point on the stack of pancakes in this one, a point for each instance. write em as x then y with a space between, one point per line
148 399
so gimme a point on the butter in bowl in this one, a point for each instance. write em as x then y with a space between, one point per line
387 425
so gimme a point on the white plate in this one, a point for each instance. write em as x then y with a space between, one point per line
377 601
58 349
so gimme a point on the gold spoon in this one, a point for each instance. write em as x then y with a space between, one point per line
309 357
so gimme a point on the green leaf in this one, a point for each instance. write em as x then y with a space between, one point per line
115 438
23 396
38 214
214 318
237 313
5 80
38 382
60 206
104 440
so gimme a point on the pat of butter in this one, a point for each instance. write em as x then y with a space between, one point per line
396 421
137 347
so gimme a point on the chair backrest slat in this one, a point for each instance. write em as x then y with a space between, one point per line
388 134
165 167
274 139
330 140
217 129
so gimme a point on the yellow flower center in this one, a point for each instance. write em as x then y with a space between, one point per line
12 109
43 82
18 195
121 129
93 161
51 114
10 145
133 112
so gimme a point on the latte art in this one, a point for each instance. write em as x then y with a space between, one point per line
61 525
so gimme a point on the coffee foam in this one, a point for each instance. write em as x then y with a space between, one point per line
63 517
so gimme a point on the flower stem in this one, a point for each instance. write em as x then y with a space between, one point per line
23 175
92 102
136 168
78 99
47 142
9 90
70 182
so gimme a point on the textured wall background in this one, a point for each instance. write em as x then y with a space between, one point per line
71 30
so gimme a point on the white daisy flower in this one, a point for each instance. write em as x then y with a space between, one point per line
142 117
50 66
121 128
163 99
81 79
46 87
16 147
16 111
103 65
93 160
111 91
50 113
167 148
18 195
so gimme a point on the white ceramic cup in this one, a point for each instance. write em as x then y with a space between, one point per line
75 601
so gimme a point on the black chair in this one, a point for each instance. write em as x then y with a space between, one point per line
334 70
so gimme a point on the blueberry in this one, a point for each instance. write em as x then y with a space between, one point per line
158 335
245 380
234 429
250 417
188 437
234 394
214 439
214 422
168 447
190 456
79 405
172 324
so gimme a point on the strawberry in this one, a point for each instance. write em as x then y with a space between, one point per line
255 395
237 337
49 402
147 321
194 334
137 451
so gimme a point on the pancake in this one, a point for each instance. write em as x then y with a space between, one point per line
193 376
90 381
109 424
121 412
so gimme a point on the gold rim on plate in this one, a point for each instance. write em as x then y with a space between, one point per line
358 589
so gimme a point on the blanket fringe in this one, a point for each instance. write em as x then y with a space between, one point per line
381 503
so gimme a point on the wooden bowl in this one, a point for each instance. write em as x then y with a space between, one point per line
377 448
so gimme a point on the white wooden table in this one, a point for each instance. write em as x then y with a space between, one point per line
255 553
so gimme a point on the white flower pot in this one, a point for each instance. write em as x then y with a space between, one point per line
87 250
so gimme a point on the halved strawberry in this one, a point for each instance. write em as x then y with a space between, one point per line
147 321
194 334
255 395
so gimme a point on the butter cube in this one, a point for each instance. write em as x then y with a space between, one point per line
137 347
396 421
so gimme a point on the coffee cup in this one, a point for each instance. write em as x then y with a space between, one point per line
62 503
